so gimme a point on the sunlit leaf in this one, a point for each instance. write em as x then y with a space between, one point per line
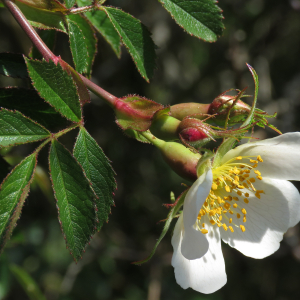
136 38
200 18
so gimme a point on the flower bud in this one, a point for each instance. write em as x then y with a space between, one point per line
165 127
134 112
196 133
222 104
182 110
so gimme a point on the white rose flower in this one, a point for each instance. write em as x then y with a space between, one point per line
247 201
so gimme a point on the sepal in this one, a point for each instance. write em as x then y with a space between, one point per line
135 112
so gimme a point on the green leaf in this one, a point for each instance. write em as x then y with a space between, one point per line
75 199
17 129
136 38
89 39
99 172
86 53
78 47
43 19
105 27
13 65
136 135
56 87
27 282
201 18
13 193
29 103
172 214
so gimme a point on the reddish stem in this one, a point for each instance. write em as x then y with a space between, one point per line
111 99
48 54
31 33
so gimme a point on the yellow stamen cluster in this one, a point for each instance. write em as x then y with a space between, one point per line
230 190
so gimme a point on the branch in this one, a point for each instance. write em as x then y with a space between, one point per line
31 33
48 54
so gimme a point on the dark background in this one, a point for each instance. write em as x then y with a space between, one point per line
265 34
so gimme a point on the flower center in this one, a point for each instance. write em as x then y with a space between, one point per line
233 183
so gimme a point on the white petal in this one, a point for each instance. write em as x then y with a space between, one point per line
268 219
195 245
206 274
281 156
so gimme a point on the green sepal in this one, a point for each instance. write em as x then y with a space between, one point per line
136 135
172 214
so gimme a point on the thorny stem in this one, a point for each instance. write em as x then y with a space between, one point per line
48 54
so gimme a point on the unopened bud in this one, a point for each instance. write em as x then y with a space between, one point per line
134 112
196 133
182 110
220 108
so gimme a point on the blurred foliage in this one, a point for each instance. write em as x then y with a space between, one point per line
264 33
